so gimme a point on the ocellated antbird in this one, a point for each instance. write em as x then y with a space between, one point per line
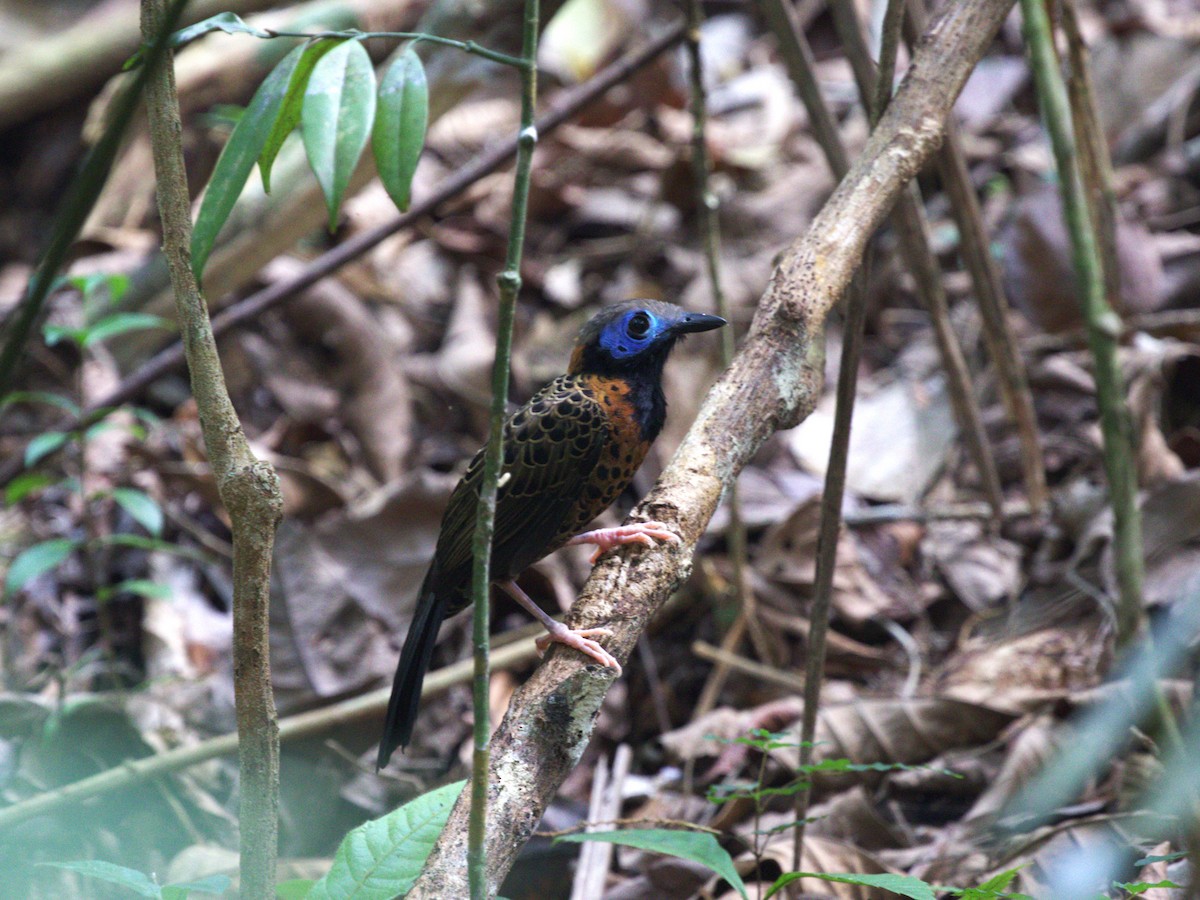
568 453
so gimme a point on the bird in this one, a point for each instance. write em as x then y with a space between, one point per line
567 455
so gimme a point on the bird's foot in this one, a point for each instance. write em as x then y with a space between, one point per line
647 534
580 640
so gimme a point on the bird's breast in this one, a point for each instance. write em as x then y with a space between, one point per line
623 453
618 401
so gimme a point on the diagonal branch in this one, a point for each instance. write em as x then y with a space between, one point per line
773 383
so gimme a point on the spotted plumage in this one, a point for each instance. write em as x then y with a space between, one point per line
568 454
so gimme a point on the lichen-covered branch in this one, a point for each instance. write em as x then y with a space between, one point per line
773 383
249 488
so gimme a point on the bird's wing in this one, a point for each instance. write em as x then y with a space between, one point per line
551 446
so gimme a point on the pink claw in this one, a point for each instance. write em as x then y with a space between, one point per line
579 640
646 533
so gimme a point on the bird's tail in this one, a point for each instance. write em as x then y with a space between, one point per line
410 673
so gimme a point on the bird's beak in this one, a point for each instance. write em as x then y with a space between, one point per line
691 322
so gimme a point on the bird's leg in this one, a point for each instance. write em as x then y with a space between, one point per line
559 633
645 533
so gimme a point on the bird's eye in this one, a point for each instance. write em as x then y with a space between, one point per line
639 326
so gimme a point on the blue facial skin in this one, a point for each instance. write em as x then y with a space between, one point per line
620 344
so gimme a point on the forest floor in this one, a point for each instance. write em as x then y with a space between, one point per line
962 649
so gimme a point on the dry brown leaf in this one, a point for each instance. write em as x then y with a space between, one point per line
1156 462
345 589
1024 672
787 556
464 362
902 432
909 732
358 361
1067 860
849 816
1038 274
981 569
899 731
1027 755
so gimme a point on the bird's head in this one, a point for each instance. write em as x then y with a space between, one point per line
634 336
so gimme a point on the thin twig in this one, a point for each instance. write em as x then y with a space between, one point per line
895 512
731 660
889 48
1102 322
249 488
1096 180
707 208
989 293
353 34
509 282
799 59
802 66
912 230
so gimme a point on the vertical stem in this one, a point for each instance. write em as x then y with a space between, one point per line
1095 165
1103 323
249 488
888 49
989 292
509 282
912 230
798 57
707 206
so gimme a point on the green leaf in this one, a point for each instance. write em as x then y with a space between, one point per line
150 417
63 403
43 445
985 893
399 133
110 286
238 158
100 427
213 884
1136 888
904 885
32 562
24 485
289 109
227 22
143 587
381 859
56 334
1167 857
293 889
698 846
138 882
141 507
339 107
121 323
1000 882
